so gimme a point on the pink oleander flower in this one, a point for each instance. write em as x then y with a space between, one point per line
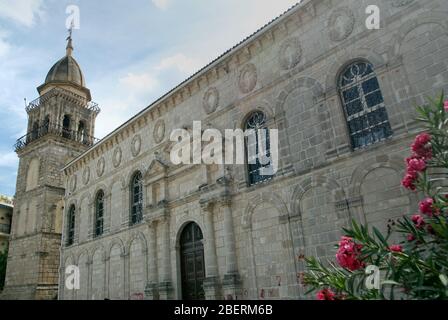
410 237
348 254
396 248
445 105
409 180
418 220
325 294
415 164
426 206
421 146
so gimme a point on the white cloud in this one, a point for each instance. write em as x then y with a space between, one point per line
8 160
4 47
180 62
161 4
23 12
139 82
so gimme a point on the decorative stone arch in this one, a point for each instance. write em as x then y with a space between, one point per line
384 161
32 182
137 236
361 54
117 178
72 261
262 106
119 242
332 185
84 196
273 198
99 187
302 82
97 248
394 163
139 167
427 17
180 226
81 253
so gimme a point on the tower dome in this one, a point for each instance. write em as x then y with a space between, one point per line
66 73
66 70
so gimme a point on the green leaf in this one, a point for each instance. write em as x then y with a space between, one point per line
443 279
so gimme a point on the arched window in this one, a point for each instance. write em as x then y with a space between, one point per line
136 198
363 105
99 213
46 125
259 137
71 225
82 132
35 131
66 127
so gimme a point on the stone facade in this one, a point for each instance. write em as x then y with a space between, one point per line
254 236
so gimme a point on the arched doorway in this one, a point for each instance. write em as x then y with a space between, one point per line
192 262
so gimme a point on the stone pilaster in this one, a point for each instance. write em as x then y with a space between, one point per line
211 282
151 292
165 286
231 281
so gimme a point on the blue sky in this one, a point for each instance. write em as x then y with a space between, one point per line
131 52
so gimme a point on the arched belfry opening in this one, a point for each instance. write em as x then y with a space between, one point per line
192 262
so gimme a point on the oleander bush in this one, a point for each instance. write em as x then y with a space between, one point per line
368 264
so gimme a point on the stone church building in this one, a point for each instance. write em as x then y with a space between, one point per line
343 98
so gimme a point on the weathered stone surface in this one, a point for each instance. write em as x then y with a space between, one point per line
259 233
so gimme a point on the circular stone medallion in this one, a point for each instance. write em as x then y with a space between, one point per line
211 100
86 175
136 145
341 24
248 78
159 131
290 53
72 183
100 166
116 159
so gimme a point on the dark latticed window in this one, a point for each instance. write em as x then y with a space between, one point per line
66 127
99 213
364 105
71 226
82 131
46 125
257 122
35 131
136 198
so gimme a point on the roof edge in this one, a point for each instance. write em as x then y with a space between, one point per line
200 72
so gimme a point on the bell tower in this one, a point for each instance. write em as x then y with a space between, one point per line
61 123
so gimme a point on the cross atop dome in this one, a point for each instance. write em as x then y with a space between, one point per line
69 48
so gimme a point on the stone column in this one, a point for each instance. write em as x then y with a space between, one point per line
151 287
211 282
231 281
89 278
127 283
165 286
106 276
